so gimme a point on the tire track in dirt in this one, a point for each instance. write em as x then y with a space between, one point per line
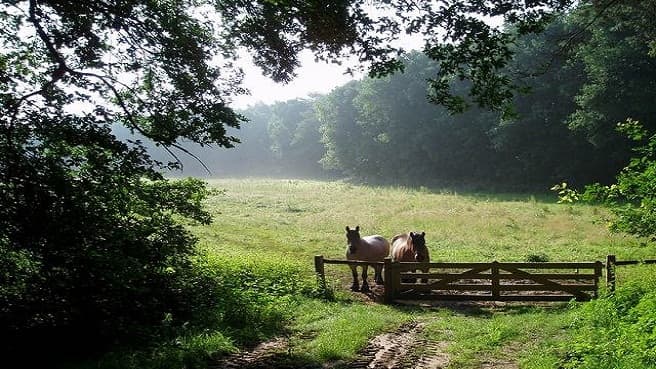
402 349
272 354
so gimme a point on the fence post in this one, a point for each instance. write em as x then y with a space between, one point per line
388 282
610 273
597 271
495 279
319 269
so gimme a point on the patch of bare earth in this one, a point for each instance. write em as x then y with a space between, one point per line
402 349
506 362
268 355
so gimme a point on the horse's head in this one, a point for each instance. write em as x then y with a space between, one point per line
419 246
352 238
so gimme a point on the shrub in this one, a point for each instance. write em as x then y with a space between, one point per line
617 331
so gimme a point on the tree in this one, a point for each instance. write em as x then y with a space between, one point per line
89 226
619 75
539 147
295 137
457 34
619 62
339 130
404 138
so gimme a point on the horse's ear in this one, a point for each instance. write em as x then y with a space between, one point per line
357 228
412 234
423 234
347 228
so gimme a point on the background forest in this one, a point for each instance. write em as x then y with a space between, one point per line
387 131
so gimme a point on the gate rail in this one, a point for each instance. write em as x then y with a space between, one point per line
491 281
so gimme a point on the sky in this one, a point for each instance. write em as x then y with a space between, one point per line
319 77
312 77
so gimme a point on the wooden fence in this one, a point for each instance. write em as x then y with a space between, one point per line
612 263
493 281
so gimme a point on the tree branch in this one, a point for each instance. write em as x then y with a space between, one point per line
62 68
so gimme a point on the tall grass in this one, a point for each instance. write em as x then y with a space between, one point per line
619 330
340 329
254 299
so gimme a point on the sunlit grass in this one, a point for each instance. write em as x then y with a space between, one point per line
298 219
287 222
507 334
340 329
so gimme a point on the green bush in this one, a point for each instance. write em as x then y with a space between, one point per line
255 298
617 331
94 257
233 302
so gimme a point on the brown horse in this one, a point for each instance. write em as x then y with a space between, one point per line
369 248
411 247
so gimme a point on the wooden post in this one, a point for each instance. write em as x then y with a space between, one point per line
388 282
495 279
319 269
610 273
597 271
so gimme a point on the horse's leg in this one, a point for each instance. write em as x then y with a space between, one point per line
408 280
379 274
354 270
411 280
424 280
365 285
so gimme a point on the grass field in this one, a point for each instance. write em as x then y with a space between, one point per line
295 220
289 221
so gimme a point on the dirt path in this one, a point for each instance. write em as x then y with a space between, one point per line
401 349
270 354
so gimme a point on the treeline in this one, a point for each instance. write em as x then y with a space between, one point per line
580 81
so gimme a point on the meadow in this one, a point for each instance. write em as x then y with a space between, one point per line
287 222
296 219
260 248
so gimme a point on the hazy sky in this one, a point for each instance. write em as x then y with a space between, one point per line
311 77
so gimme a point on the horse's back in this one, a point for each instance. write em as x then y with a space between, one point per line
377 249
400 247
400 239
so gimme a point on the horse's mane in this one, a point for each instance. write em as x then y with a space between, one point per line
406 235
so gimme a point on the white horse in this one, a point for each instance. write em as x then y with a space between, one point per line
369 248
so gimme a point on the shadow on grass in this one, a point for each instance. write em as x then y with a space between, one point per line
478 192
273 354
482 308
467 308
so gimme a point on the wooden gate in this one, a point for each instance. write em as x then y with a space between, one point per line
490 281
493 281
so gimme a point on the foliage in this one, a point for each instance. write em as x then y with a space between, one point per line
631 198
393 134
455 33
87 260
616 331
614 53
91 233
252 300
384 130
